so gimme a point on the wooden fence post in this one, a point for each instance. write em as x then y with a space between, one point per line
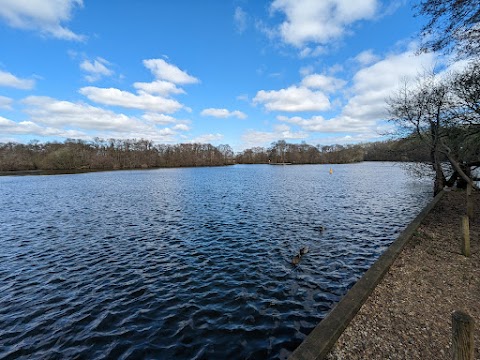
469 201
465 236
462 336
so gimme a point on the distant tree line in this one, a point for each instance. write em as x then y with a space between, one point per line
109 155
409 149
134 154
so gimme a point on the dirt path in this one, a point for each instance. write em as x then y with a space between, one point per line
408 316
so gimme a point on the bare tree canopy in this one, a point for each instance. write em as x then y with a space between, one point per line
453 25
444 113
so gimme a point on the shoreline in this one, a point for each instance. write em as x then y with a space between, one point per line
85 171
407 315
88 170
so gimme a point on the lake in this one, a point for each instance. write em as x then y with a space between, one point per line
190 263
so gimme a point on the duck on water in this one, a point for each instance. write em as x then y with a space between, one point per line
296 259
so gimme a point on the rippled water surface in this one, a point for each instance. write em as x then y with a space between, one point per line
188 263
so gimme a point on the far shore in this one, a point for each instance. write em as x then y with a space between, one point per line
83 171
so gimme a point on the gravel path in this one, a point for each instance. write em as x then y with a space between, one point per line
408 315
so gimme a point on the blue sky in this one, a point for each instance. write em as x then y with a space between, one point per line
238 72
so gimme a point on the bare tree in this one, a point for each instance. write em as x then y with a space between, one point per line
227 153
433 110
420 108
453 25
464 134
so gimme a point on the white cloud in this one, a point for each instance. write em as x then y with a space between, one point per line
253 138
53 112
320 21
10 80
45 16
96 69
292 99
223 113
165 71
366 57
181 127
159 118
4 139
372 85
312 52
451 66
240 20
11 127
285 132
335 125
365 109
348 139
207 138
162 119
52 117
306 70
142 101
152 97
243 97
6 103
326 83
28 127
158 87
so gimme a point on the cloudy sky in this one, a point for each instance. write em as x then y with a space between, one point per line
240 72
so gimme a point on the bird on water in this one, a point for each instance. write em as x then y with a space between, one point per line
296 259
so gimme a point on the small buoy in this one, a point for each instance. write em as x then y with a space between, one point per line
304 250
296 259
331 171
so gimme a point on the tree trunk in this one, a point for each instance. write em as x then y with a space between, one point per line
440 180
461 183
457 167
452 179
